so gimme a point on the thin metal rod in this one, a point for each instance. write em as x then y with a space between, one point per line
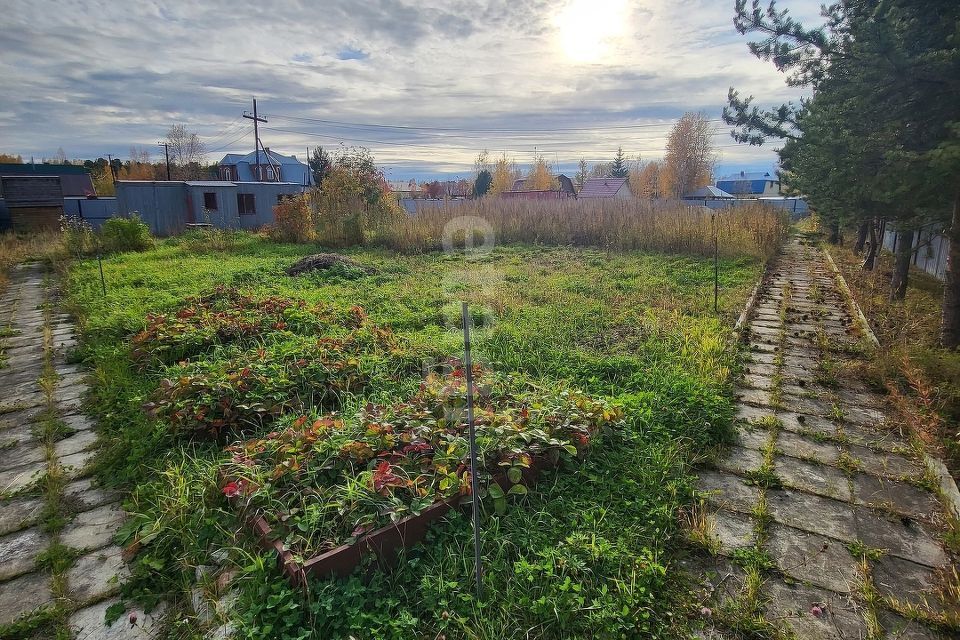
716 264
474 483
103 282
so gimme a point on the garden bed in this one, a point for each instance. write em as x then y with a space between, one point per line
382 478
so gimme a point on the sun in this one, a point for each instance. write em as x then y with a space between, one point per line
587 28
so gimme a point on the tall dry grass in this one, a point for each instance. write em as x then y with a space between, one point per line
755 230
22 247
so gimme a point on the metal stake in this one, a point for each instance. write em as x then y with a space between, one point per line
716 263
474 483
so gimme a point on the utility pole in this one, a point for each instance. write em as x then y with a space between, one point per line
256 133
166 153
113 173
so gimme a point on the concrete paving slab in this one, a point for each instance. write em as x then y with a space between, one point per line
908 582
19 478
812 558
135 624
19 513
19 550
731 530
81 441
97 575
896 496
728 491
798 446
885 464
740 460
792 604
93 529
84 495
809 512
813 477
899 536
24 594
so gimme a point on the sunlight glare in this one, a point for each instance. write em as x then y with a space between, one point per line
586 28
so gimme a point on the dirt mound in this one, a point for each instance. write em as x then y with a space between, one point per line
326 261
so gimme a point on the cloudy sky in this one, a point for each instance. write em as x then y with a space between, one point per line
424 84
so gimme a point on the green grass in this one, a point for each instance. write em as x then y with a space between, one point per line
588 554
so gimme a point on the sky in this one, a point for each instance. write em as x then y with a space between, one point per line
425 85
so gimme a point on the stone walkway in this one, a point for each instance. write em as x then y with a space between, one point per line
822 520
57 560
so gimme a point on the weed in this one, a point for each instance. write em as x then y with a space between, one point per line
859 549
849 464
700 527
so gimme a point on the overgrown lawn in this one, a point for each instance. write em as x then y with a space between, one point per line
586 554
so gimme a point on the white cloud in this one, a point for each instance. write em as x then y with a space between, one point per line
98 77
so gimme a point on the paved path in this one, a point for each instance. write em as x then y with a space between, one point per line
820 519
47 505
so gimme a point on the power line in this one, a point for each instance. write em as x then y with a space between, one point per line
232 142
342 123
230 130
341 138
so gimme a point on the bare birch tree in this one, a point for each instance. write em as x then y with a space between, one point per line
689 160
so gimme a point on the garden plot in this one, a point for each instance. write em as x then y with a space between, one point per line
240 366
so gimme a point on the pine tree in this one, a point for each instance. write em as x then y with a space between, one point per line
619 168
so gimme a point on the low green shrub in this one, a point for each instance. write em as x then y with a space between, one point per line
225 315
78 236
125 234
252 388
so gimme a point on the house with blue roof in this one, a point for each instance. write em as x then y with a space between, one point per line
273 167
750 184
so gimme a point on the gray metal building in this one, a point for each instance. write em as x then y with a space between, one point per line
169 206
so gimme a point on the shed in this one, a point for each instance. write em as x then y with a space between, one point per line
34 202
606 188
168 206
75 179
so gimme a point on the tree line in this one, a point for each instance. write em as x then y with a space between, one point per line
187 162
878 141
688 164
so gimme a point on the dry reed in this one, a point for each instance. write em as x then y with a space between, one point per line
754 230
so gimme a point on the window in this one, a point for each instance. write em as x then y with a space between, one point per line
226 172
246 204
210 201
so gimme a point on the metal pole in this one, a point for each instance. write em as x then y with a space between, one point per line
103 282
716 263
474 483
256 137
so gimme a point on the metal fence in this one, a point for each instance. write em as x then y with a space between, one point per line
930 249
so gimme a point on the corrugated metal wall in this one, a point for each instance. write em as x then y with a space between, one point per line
266 195
225 216
162 205
93 211
930 249
168 206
